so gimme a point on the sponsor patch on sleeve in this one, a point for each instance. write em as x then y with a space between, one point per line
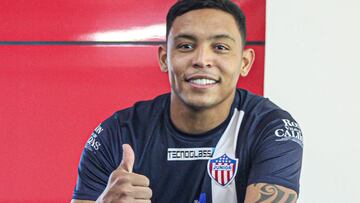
290 131
93 143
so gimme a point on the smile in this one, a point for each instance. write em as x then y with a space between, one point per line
203 81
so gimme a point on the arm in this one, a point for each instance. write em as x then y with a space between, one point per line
276 161
266 193
124 185
101 176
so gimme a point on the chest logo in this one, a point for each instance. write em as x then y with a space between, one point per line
222 169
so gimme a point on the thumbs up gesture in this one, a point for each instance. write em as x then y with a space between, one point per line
125 186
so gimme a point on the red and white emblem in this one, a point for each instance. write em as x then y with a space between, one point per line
222 169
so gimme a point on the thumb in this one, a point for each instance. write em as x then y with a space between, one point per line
128 158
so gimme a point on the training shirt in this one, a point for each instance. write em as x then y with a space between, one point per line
257 143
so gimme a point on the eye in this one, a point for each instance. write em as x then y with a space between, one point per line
221 47
185 46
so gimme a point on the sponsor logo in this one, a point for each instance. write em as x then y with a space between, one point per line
290 131
93 143
222 169
188 154
98 129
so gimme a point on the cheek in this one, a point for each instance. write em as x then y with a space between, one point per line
231 72
178 66
176 75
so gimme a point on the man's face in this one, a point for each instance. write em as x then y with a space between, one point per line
204 58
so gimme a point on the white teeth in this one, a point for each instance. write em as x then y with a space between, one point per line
203 81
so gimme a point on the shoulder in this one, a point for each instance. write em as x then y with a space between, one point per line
111 130
263 119
143 110
260 109
251 103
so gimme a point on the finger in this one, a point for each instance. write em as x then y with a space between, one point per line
128 158
139 180
141 193
142 201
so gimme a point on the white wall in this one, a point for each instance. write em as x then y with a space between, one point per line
313 71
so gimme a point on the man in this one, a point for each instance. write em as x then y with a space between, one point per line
206 141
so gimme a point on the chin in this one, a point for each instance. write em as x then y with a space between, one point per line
200 103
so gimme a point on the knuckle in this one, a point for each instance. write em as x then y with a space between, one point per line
118 193
124 192
146 180
120 180
150 193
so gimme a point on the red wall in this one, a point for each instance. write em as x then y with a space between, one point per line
61 75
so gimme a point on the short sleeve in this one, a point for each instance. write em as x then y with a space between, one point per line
97 161
277 154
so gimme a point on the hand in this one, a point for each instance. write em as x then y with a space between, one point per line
124 186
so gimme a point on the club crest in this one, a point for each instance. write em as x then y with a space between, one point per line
222 169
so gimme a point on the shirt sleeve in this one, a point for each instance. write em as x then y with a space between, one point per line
277 154
97 161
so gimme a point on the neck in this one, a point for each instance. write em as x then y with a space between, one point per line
196 120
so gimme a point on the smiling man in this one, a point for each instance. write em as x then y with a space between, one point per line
206 141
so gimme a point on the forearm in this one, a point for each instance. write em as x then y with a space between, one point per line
269 193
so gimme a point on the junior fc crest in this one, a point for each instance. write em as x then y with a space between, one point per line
222 169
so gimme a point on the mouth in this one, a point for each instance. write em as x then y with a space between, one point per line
202 81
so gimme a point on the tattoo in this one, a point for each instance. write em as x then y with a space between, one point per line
291 198
268 192
272 193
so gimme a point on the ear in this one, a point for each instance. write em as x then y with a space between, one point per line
162 55
247 61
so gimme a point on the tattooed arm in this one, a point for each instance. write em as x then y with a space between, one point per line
269 193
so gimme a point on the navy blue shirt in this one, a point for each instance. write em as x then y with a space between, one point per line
268 149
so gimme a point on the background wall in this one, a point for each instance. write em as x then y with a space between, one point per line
67 65
312 70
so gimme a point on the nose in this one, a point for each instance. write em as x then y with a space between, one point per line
202 58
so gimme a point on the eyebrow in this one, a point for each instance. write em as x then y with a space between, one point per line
222 36
193 38
185 36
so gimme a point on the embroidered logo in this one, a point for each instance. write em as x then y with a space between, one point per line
222 169
290 131
93 143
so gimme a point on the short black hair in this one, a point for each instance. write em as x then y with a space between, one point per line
183 6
